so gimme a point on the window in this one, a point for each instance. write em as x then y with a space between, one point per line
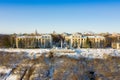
42 36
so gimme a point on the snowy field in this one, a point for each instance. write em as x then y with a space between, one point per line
25 50
17 64
76 53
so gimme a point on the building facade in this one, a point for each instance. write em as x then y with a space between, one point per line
116 45
43 41
79 41
116 42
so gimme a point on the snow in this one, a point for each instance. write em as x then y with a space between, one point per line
25 50
5 71
13 77
32 53
89 53
75 53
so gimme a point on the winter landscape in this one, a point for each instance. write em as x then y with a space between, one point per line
59 39
59 64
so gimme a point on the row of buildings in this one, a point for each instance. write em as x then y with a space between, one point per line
75 40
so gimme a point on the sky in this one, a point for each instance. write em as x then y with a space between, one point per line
25 16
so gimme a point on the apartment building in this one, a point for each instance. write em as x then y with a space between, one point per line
116 42
116 45
43 41
78 40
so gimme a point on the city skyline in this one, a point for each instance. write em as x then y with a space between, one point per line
23 16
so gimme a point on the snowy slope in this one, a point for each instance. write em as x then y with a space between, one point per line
90 53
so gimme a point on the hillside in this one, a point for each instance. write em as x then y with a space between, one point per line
44 64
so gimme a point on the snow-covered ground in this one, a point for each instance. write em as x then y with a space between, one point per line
88 53
6 73
25 50
91 53
32 53
3 72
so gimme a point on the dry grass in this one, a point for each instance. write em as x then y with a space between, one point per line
64 68
9 58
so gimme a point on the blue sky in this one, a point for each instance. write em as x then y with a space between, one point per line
24 16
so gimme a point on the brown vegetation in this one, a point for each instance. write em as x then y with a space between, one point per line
65 68
5 41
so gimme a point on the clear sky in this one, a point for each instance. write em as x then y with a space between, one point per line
24 16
